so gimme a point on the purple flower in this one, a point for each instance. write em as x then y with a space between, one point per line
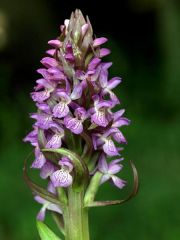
74 95
32 137
109 171
47 169
61 109
62 177
55 141
48 87
44 121
47 205
75 124
100 116
39 159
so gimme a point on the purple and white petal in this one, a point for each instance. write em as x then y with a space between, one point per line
73 124
44 107
110 148
40 200
60 110
54 208
77 91
32 137
94 63
99 118
80 113
40 96
41 215
44 121
114 168
102 164
39 159
51 52
118 182
65 162
49 62
47 170
55 141
104 178
121 122
61 178
114 82
103 77
119 137
51 188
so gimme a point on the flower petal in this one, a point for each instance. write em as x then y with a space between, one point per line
103 78
44 107
41 215
118 182
66 163
55 43
44 121
114 168
121 122
93 63
47 170
49 62
77 92
55 141
73 124
39 159
80 113
60 110
40 96
53 207
119 137
99 118
104 52
114 82
110 148
61 178
102 164
99 41
32 137
40 199
104 178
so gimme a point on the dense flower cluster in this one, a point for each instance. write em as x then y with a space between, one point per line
74 98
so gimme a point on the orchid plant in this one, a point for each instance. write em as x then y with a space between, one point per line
77 135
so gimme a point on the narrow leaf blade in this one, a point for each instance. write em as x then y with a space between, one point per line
45 232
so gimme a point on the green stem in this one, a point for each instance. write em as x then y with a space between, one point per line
76 217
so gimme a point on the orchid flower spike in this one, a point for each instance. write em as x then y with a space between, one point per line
77 127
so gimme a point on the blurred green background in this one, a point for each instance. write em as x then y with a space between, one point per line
145 41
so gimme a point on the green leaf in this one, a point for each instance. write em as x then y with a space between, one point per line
117 202
81 171
46 233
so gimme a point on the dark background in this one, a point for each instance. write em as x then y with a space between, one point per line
144 36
